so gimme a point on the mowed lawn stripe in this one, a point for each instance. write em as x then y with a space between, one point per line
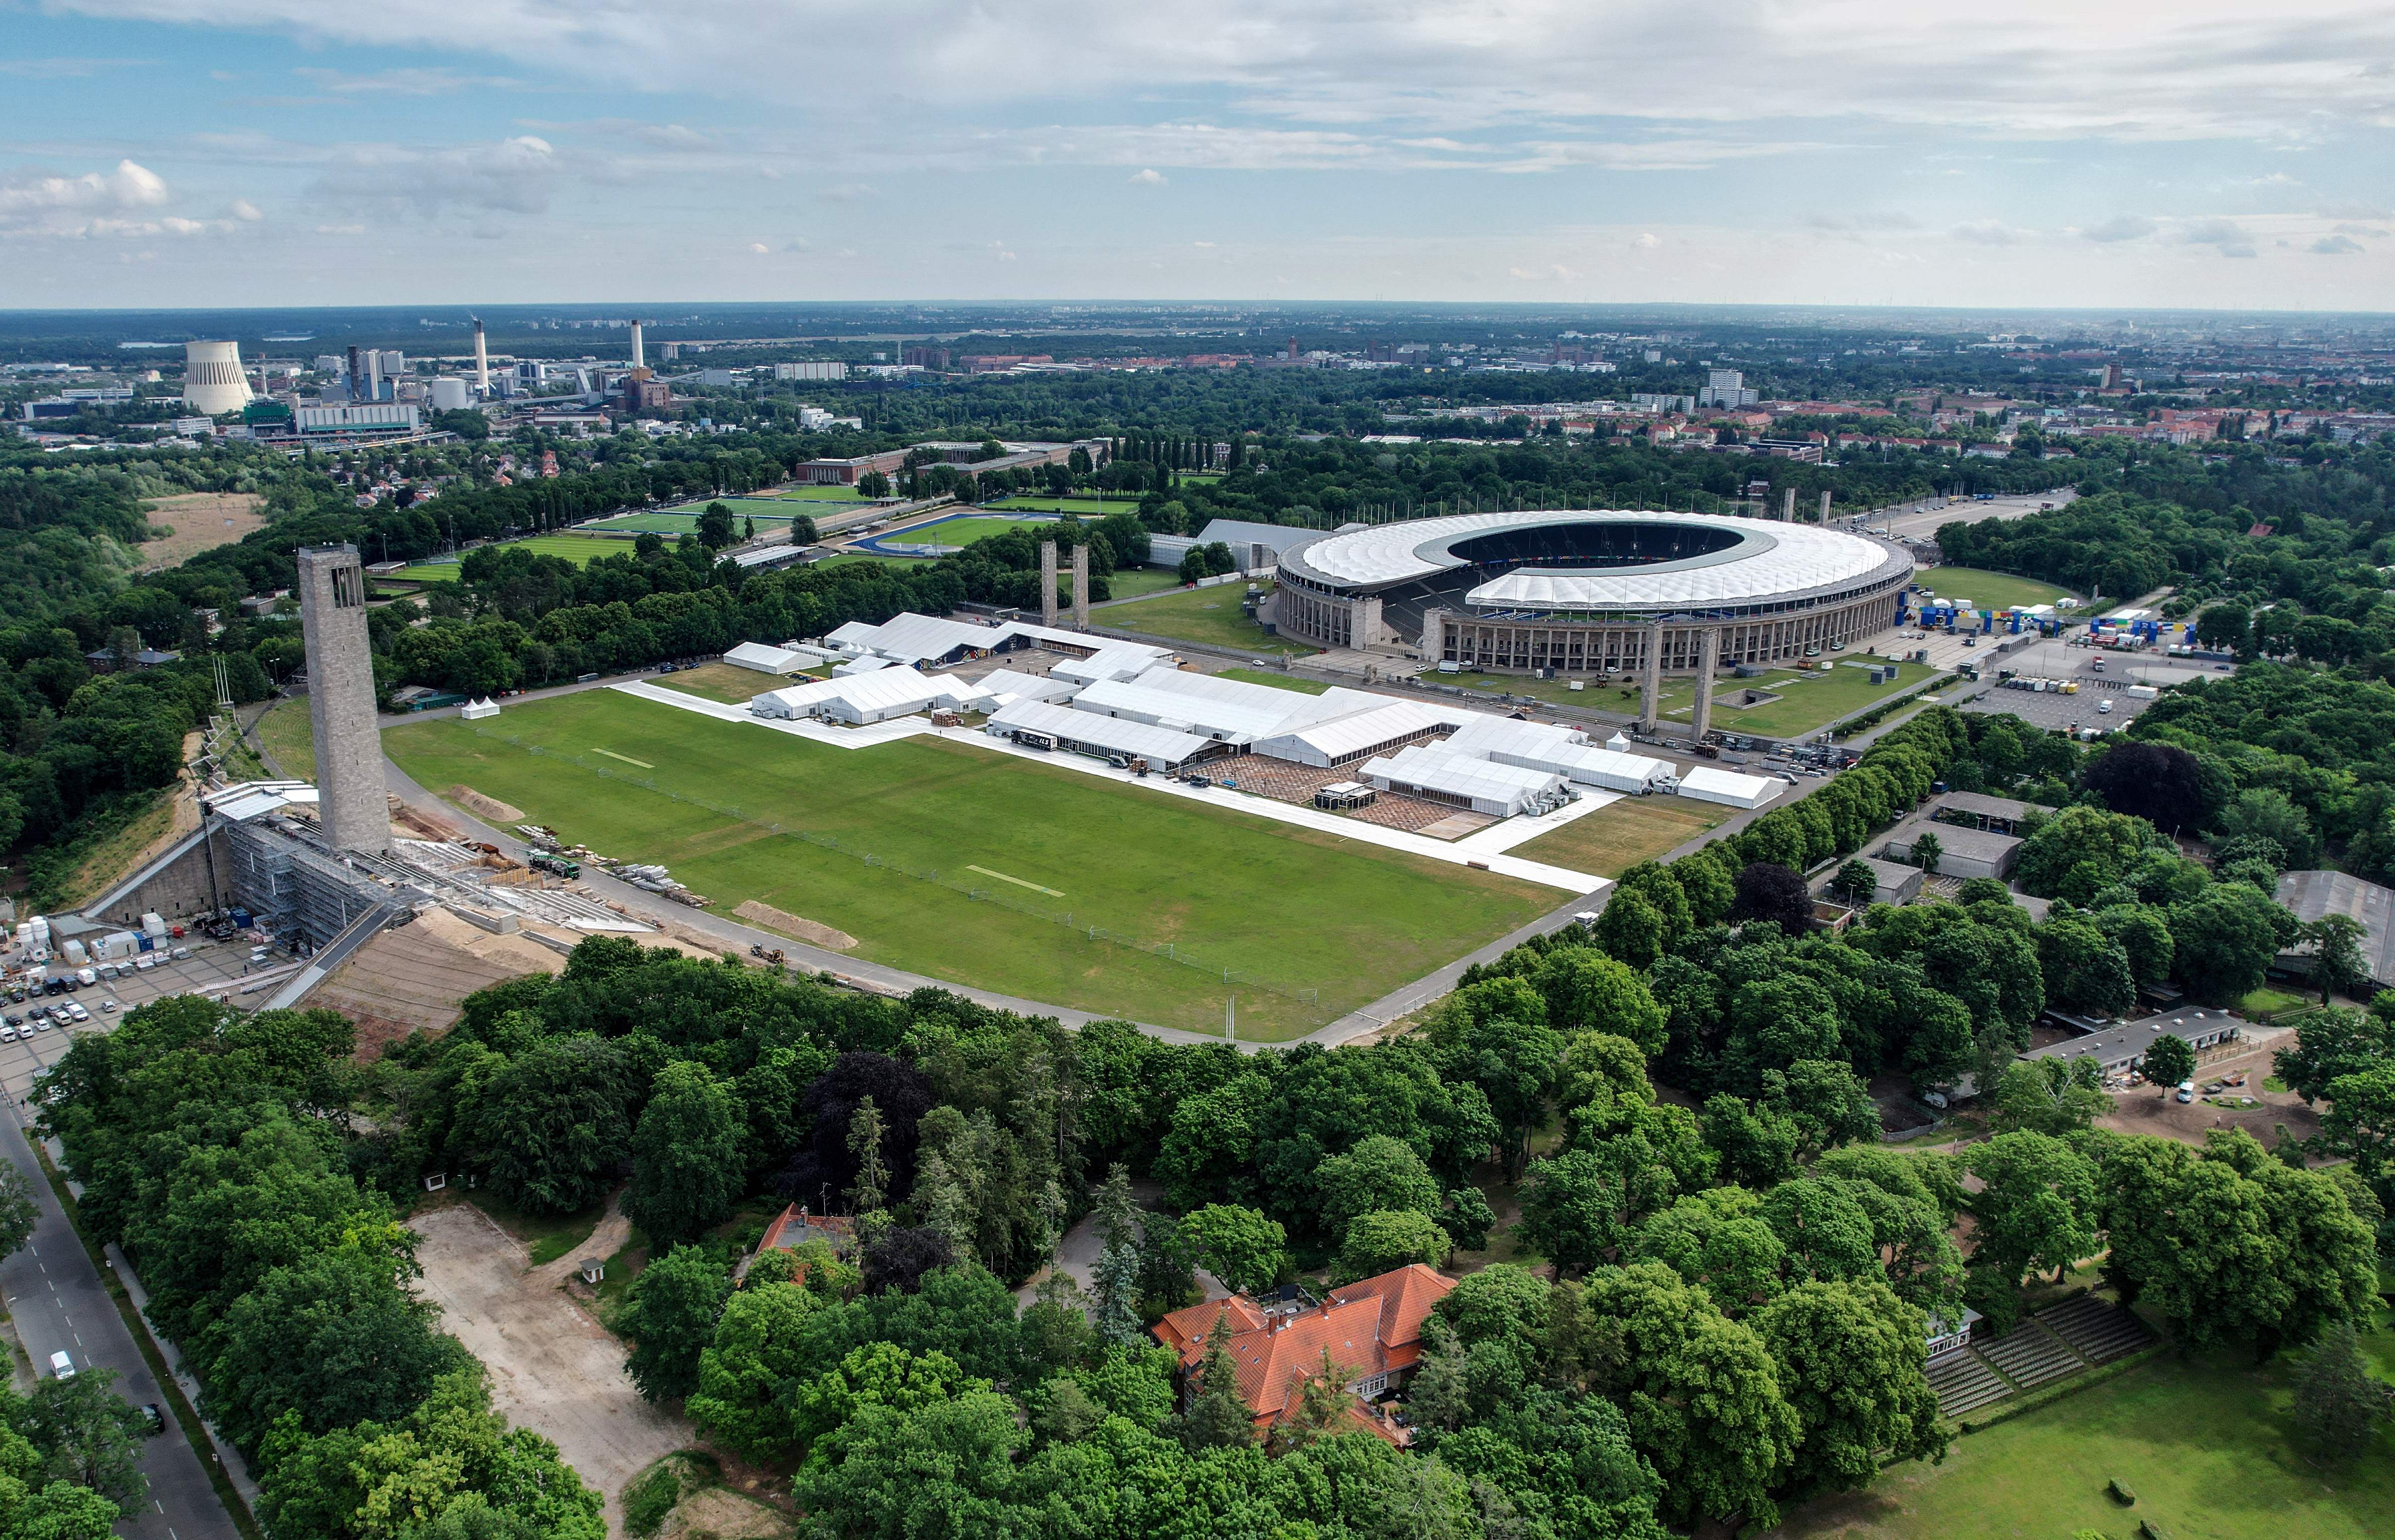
1294 906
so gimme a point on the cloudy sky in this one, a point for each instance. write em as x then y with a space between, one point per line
2099 152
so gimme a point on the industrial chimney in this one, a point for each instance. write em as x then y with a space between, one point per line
482 361
639 362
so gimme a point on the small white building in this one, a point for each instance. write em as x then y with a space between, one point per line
1603 768
1500 790
1004 685
1707 783
1116 660
766 658
1352 735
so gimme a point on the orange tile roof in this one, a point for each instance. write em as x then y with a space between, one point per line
1370 1327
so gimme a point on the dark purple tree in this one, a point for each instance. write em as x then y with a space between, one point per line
2157 782
1766 890
823 1169
902 1259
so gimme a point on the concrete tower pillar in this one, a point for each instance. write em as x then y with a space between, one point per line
1650 693
1047 582
1825 505
1709 644
1081 588
482 361
639 359
1788 506
349 801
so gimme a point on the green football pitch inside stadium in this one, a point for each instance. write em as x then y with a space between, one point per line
1291 907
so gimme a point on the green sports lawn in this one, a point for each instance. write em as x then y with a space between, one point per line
1988 590
1277 681
955 531
581 550
1293 907
1210 615
2203 1439
1806 700
684 521
1089 508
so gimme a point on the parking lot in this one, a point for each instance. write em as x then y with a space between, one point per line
2097 685
213 967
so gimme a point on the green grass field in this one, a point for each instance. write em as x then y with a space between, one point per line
581 550
1619 835
1138 582
728 683
1986 589
1298 908
844 558
1210 615
956 532
1277 681
285 734
677 520
1089 508
815 493
1559 691
1806 700
2203 1439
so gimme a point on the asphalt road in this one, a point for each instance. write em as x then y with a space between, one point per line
59 1301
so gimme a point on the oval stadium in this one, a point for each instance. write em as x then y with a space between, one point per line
1596 593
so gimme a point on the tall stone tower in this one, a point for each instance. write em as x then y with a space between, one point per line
341 699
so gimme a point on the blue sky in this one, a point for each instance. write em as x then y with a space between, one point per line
2112 153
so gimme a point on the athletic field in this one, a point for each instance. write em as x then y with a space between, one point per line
581 550
684 521
1292 908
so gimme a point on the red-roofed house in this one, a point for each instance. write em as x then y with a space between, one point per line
1372 1328
794 1227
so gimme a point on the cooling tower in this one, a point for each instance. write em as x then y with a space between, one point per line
212 381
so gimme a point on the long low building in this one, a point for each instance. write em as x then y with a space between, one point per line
1726 786
1353 736
1499 791
1568 753
918 639
858 699
1964 852
2121 1048
766 658
1038 724
2310 896
1338 726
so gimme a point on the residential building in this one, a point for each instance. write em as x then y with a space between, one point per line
2311 895
1371 1330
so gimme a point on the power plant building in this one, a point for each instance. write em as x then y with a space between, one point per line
213 382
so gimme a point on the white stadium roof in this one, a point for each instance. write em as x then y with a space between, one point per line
1769 560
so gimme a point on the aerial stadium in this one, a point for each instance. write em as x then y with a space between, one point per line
1590 592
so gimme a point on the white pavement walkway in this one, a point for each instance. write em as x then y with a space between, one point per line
1488 854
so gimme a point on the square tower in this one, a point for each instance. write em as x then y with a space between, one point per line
350 798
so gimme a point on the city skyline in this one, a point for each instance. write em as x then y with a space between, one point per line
263 151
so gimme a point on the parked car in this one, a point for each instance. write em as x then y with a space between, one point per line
2186 1091
62 1365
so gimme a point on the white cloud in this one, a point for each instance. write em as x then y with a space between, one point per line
405 82
847 192
2037 69
93 203
245 211
65 69
1987 232
2357 229
515 175
2121 226
760 248
1648 241
1150 177
2337 245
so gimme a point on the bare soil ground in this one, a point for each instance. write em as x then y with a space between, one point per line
723 1515
554 1369
809 931
486 807
2153 1109
201 520
413 979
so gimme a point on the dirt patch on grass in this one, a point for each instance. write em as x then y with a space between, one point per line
486 807
2153 1110
808 931
726 1515
200 520
554 1369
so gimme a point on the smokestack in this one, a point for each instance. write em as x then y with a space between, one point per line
357 374
374 374
639 362
482 361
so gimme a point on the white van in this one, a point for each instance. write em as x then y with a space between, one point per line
61 1366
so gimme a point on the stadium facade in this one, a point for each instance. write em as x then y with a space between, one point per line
1591 592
